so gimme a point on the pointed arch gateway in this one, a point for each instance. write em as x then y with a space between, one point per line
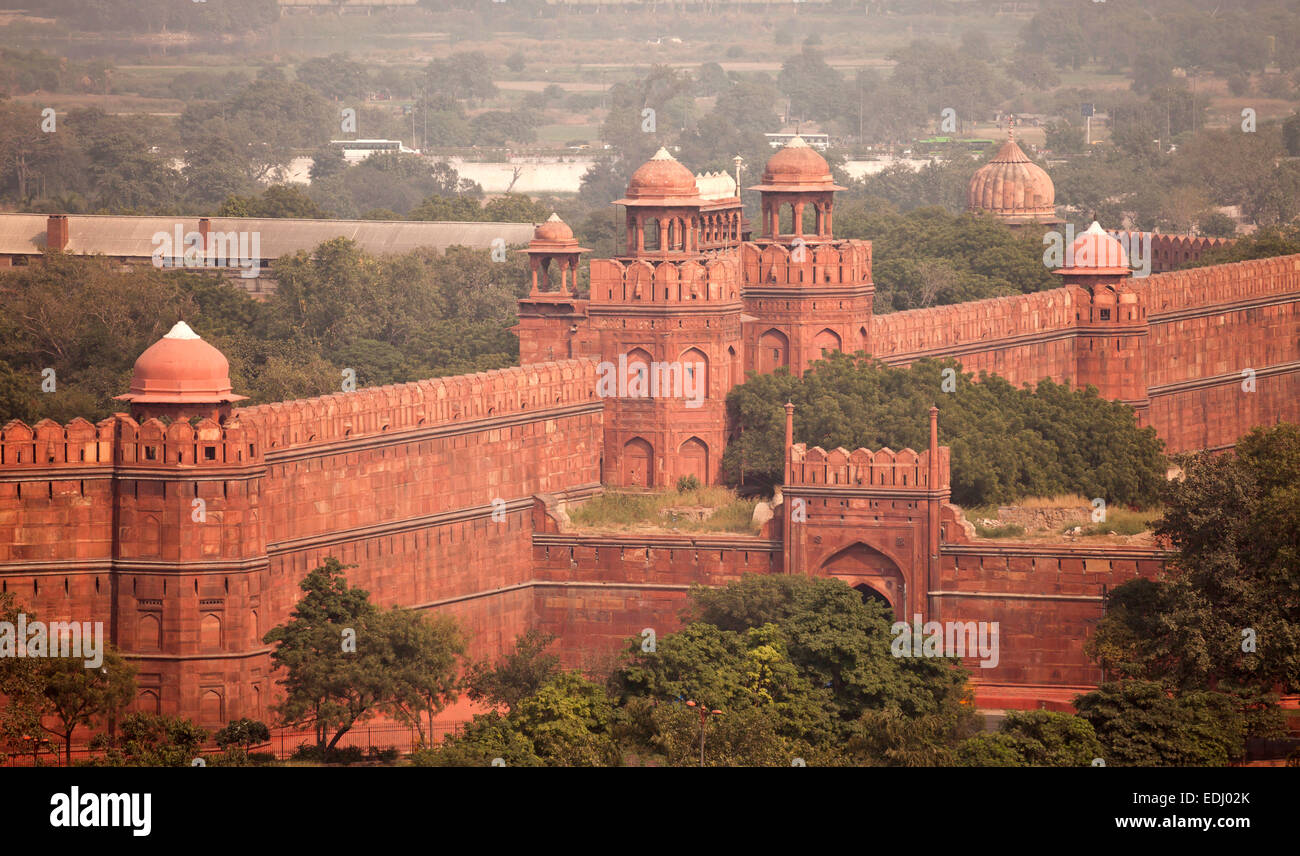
693 459
870 572
695 372
826 340
638 463
773 351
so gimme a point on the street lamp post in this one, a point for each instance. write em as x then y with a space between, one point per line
705 713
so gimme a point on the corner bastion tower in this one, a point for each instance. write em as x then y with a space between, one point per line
151 523
804 293
664 322
1111 319
189 548
691 299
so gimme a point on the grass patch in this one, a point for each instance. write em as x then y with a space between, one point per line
616 510
1011 530
1121 521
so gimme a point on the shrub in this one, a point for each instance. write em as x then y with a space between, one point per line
686 484
388 754
343 755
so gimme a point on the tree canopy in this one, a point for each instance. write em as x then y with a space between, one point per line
1006 443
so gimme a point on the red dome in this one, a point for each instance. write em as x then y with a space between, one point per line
662 180
797 166
553 230
1013 188
1096 252
180 368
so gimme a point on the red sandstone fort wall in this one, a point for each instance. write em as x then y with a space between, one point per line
1210 325
1022 338
426 487
1207 325
596 591
1171 251
1046 599
1216 320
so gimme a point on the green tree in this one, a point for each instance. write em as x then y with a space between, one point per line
1227 616
812 86
1140 723
278 200
335 76
22 683
267 120
152 740
327 161
427 651
78 696
568 720
484 739
1006 443
239 736
515 676
465 76
1291 134
336 657
1034 738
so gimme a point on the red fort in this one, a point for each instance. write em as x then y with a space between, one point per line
188 536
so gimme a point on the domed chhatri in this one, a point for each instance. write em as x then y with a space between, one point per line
553 231
797 177
661 181
181 375
1096 253
797 166
553 241
1013 188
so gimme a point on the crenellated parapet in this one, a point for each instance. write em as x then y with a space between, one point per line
777 264
201 443
1221 284
905 469
120 440
374 411
49 444
1170 251
940 327
664 283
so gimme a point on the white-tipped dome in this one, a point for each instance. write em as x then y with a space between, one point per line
181 330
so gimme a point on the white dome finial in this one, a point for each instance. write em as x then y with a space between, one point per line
181 330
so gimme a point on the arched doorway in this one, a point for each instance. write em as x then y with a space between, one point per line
693 459
773 351
826 340
869 572
695 374
638 463
870 595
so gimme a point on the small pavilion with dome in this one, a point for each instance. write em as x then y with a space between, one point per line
180 377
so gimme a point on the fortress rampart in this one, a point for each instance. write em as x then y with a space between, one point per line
427 487
1207 326
595 591
1171 251
187 526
